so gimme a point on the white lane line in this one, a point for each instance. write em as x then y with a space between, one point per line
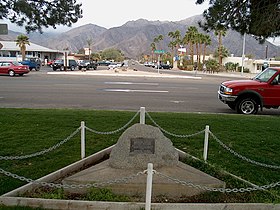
130 83
1 97
138 91
177 102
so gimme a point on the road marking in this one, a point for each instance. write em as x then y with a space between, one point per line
138 91
130 83
177 102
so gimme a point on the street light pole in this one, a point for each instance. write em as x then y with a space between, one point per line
243 54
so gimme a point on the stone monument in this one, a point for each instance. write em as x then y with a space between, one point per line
137 146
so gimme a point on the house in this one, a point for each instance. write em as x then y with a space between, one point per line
10 51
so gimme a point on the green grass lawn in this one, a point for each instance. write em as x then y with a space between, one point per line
25 131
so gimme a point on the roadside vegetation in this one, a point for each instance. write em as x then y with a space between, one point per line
25 131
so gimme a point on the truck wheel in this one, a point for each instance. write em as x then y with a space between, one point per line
247 106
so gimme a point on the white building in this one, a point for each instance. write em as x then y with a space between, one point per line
10 51
254 65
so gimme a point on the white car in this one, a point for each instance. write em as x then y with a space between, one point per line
114 65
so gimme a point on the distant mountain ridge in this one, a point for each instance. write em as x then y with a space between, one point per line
134 38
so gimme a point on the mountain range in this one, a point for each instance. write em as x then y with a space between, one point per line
134 38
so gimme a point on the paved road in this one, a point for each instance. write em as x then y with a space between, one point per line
43 90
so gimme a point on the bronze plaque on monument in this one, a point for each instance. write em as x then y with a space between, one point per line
142 146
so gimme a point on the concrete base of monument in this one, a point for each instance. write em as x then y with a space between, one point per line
162 185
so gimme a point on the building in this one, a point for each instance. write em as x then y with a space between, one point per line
254 65
10 51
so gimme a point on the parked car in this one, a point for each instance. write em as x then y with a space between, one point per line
247 96
162 66
85 64
12 68
50 63
114 65
149 64
33 63
59 64
103 63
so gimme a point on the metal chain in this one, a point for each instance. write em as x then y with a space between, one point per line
73 186
173 134
223 190
115 131
21 157
241 156
133 176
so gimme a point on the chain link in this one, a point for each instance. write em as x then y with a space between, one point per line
21 157
114 131
73 186
241 156
213 189
173 134
133 176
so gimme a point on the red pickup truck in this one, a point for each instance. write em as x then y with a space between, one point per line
247 96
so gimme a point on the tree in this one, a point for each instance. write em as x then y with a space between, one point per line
175 41
153 48
190 36
221 53
220 31
22 41
158 39
212 65
89 43
112 54
36 14
207 42
260 18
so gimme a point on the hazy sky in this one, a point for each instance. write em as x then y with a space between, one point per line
113 13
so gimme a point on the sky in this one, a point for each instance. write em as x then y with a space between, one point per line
114 13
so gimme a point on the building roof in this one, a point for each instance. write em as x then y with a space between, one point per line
11 46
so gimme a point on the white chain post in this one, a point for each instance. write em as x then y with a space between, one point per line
149 186
142 115
83 149
206 138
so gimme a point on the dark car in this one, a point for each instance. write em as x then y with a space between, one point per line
103 63
12 68
59 64
163 66
87 65
166 66
33 63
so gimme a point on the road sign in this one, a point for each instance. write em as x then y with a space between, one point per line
159 51
3 29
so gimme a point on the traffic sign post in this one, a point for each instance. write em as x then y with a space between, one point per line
159 51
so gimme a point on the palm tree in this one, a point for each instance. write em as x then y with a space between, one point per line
158 39
207 42
89 42
175 42
153 48
21 41
192 33
220 31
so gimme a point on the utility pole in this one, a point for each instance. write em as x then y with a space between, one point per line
243 54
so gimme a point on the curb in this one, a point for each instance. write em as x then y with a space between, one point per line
151 75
